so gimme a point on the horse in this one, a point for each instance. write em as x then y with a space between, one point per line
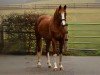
52 30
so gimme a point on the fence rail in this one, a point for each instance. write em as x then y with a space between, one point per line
70 37
51 6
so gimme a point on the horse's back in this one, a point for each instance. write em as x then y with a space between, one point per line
43 17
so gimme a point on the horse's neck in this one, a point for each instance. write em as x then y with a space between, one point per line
56 21
55 25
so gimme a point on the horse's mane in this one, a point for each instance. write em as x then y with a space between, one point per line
56 15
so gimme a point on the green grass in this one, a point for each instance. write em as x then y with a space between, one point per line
62 1
75 15
79 43
79 15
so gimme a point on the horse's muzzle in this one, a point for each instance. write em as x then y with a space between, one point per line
63 22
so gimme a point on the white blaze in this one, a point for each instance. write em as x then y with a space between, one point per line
63 22
63 19
62 14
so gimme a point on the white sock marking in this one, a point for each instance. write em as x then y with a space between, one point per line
55 60
39 64
48 59
39 55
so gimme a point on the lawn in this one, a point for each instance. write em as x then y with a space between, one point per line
85 33
75 15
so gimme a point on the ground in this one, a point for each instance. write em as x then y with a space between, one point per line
26 65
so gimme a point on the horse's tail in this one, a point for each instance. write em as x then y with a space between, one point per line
39 18
36 23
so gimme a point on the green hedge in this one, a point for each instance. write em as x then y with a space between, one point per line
19 33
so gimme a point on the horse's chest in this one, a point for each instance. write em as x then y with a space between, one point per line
58 35
57 32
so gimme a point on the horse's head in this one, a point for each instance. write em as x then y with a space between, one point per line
60 14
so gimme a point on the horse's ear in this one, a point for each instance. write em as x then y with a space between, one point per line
59 7
65 7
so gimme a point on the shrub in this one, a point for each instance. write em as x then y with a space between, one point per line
19 32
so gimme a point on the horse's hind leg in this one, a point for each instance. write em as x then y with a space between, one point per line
48 53
38 49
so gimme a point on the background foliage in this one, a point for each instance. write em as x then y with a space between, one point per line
19 32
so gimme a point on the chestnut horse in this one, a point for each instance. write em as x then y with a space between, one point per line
52 30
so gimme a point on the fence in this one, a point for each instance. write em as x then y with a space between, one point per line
70 5
84 37
51 6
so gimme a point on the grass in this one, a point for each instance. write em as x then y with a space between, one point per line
75 15
62 1
80 44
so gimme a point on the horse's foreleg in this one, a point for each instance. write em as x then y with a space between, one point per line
38 48
48 54
61 43
48 60
55 54
39 60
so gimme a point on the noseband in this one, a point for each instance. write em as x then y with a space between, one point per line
63 19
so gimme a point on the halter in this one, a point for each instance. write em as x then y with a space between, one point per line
63 19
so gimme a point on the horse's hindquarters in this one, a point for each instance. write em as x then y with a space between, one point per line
43 27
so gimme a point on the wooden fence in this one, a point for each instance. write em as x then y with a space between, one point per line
83 37
51 6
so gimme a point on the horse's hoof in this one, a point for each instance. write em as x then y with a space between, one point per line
61 68
49 66
38 64
55 69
